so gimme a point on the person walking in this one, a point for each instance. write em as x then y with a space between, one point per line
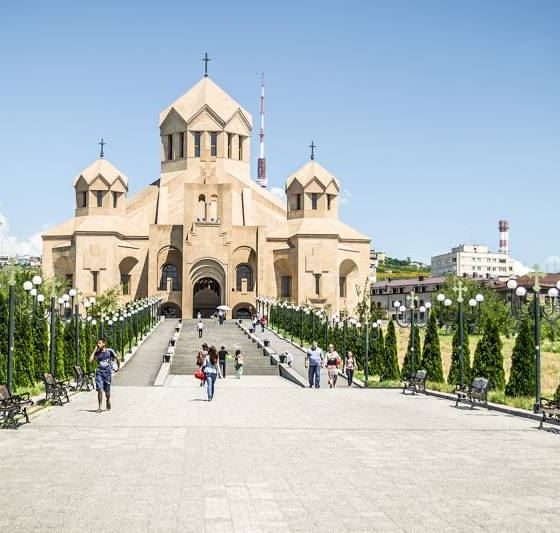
238 364
200 328
211 369
314 362
349 367
199 315
104 357
200 358
333 361
223 353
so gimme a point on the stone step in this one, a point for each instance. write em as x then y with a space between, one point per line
228 335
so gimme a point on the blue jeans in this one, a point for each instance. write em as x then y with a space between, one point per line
314 374
210 383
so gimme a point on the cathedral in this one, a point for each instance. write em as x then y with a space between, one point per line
205 233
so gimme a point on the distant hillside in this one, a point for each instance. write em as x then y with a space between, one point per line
401 268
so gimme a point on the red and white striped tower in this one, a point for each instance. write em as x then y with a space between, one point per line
503 226
261 168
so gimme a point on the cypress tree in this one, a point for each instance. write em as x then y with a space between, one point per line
522 374
24 371
40 343
3 337
376 350
390 365
453 377
431 354
69 348
488 359
407 363
59 347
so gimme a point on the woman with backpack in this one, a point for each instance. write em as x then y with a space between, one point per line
211 369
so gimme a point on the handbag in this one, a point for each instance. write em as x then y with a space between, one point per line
199 374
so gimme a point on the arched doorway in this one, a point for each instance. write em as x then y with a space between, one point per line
170 310
243 310
207 296
208 280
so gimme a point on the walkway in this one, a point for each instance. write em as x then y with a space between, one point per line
280 346
267 455
142 369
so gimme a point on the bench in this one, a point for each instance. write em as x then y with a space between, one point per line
416 382
84 380
550 410
12 405
476 392
55 390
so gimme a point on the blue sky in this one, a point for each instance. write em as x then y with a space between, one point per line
438 117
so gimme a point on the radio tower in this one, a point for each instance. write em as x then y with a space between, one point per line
261 168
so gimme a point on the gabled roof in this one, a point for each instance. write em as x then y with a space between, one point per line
101 167
206 93
310 171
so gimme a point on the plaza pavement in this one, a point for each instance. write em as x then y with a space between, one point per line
267 455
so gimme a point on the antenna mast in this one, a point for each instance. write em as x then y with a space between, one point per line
261 169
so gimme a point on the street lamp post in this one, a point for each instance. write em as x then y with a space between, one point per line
412 318
447 318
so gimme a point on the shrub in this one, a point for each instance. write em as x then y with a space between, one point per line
522 375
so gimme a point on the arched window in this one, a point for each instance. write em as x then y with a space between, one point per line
244 271
169 272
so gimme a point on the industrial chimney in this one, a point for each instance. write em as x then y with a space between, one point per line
503 226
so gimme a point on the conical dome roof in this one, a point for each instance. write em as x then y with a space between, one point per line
103 168
205 93
313 171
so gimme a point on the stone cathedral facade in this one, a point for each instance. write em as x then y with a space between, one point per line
205 233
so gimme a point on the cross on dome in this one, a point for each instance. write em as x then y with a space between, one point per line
206 59
102 144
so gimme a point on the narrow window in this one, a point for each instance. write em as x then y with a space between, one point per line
329 199
182 144
342 286
229 138
115 199
298 202
95 276
286 286
169 275
169 147
213 144
197 143
240 148
83 199
314 197
317 284
69 278
125 283
99 195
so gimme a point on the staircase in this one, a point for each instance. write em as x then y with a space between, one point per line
228 335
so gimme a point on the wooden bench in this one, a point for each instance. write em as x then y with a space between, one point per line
84 380
476 392
55 390
416 382
11 406
550 410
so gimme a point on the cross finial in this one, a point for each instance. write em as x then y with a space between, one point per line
102 144
412 299
312 146
206 59
460 289
537 275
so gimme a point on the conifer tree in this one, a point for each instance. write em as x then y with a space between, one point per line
522 374
407 369
69 348
59 347
488 359
454 369
40 343
24 371
390 367
3 336
376 351
431 353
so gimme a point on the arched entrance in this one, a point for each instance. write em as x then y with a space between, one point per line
243 310
208 279
170 310
206 297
